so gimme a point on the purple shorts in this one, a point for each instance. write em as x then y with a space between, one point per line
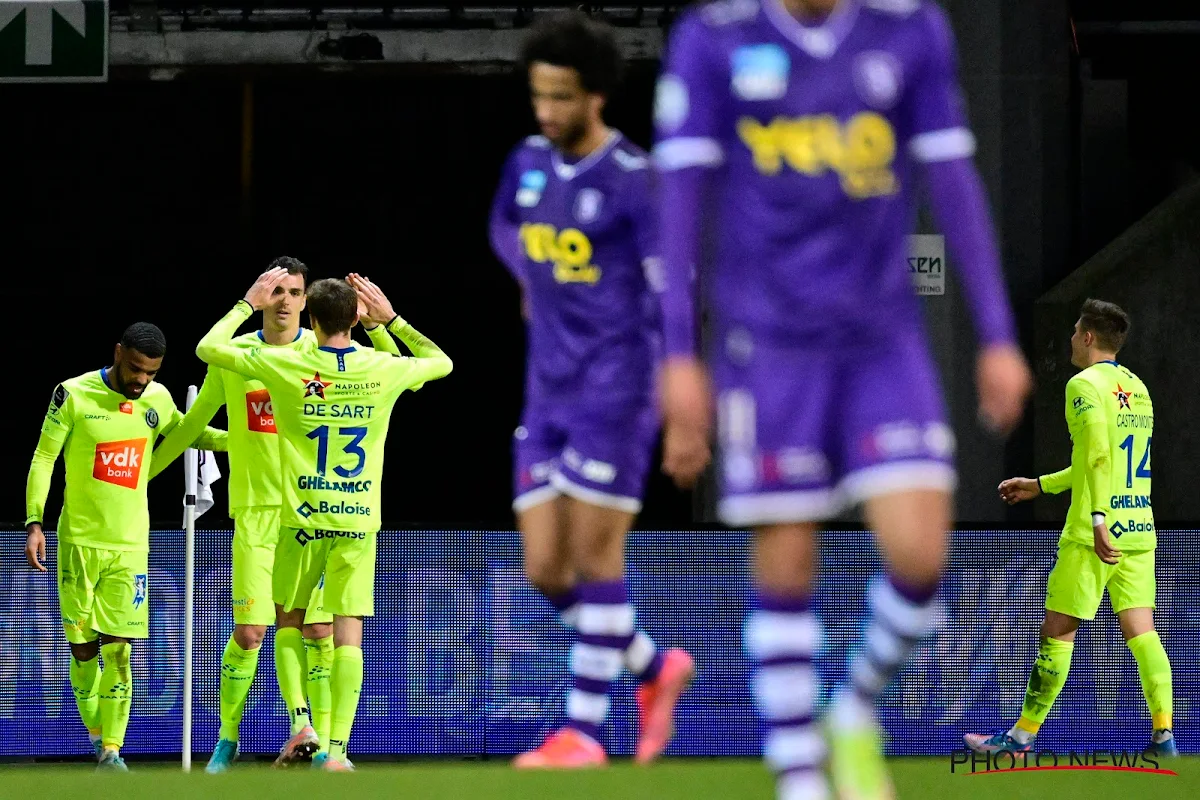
805 432
600 458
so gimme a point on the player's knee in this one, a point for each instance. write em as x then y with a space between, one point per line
318 630
249 637
86 651
548 575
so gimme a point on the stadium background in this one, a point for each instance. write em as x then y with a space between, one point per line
160 194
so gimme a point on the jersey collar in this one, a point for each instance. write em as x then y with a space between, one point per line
568 171
819 41
341 351
262 338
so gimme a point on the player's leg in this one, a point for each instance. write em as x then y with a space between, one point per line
299 563
350 596
541 511
121 614
1073 593
896 460
255 533
1132 591
776 477
77 577
547 561
318 651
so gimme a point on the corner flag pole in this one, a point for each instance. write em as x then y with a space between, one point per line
190 464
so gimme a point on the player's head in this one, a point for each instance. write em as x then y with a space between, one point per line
332 306
573 64
287 301
138 358
1100 330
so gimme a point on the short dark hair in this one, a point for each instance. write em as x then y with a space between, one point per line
146 338
573 39
333 305
1108 322
294 266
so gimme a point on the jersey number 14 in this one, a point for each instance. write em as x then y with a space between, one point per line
1143 471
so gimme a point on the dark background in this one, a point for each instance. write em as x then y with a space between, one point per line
126 202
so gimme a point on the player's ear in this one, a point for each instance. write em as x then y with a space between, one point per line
117 353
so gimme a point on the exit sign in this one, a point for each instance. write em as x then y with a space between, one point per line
53 41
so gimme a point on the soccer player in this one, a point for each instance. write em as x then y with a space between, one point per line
791 135
106 423
1111 420
332 405
574 222
254 497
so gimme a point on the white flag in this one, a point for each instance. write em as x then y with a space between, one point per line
208 474
200 472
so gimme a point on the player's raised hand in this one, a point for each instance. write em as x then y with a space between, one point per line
35 547
1018 490
1004 382
259 295
686 402
1108 552
371 299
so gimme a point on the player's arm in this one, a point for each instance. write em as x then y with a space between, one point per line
935 132
1089 442
1091 453
691 123
1056 482
939 139
688 151
381 340
215 350
209 399
503 223
642 213
56 428
429 362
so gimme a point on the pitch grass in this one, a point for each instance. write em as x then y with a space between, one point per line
686 779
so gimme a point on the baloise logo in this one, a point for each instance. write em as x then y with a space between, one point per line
304 537
307 509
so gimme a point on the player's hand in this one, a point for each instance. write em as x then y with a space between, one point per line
1107 551
35 547
1004 382
259 295
1018 490
371 299
686 402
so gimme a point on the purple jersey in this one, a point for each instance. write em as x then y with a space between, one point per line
815 133
581 239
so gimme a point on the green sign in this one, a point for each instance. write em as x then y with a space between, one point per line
53 41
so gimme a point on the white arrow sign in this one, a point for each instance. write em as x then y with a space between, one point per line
39 25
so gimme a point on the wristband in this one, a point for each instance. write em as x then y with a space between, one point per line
1097 519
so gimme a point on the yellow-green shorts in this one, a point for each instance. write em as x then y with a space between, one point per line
255 535
345 558
103 591
1078 580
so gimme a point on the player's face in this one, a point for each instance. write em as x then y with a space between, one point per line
133 372
562 107
287 302
1079 347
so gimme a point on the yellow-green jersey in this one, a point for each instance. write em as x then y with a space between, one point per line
253 443
1111 420
331 408
107 442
